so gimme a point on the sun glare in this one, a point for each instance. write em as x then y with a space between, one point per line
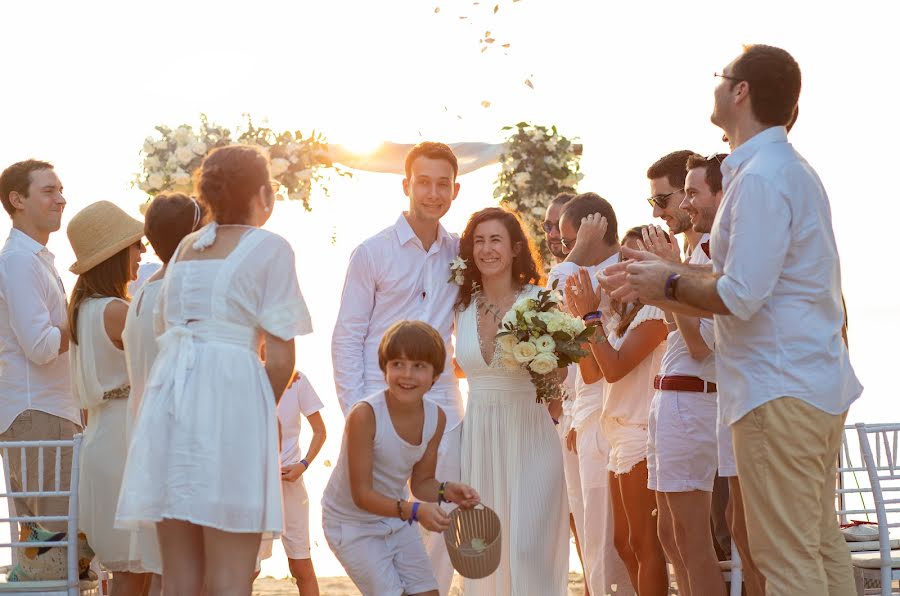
359 145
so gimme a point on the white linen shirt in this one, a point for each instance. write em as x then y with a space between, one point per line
33 374
391 278
678 360
773 244
588 397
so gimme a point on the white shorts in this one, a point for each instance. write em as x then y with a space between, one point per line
627 446
295 537
681 446
727 465
593 454
383 558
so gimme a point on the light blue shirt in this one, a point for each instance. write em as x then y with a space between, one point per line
773 244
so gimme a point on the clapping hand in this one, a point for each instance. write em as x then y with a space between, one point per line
580 295
642 276
657 242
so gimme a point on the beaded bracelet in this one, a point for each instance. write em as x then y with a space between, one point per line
400 509
441 498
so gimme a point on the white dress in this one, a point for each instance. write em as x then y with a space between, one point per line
139 340
511 456
205 444
100 386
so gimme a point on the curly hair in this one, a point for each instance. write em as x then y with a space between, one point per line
228 178
526 266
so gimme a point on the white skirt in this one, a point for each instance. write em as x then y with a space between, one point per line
205 445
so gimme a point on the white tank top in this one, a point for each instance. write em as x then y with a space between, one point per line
97 365
392 463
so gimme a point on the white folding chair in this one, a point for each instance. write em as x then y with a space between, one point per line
883 470
71 585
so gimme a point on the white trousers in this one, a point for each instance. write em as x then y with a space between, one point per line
447 469
602 566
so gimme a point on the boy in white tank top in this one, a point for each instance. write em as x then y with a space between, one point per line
391 440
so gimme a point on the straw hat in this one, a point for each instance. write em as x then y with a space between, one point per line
99 231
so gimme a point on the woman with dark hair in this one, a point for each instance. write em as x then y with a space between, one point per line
107 246
510 451
627 352
167 220
203 462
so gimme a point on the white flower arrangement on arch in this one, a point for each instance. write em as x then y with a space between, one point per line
297 162
537 163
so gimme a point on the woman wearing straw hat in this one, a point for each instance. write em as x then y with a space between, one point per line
203 463
107 246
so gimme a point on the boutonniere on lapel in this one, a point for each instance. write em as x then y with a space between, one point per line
457 271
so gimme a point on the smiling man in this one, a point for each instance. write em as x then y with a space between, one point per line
401 273
775 289
36 402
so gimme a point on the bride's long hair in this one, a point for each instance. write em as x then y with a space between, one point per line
526 266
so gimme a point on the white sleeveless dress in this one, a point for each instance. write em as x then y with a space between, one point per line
139 340
511 456
100 385
205 445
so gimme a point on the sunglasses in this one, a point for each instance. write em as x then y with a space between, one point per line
662 200
718 157
567 244
548 227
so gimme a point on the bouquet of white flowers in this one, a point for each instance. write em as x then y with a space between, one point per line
540 337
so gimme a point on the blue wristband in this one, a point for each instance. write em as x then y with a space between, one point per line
305 463
414 515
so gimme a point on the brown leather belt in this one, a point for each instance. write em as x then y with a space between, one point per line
683 383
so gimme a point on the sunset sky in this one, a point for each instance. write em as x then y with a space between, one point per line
84 83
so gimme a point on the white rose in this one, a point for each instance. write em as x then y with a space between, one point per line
181 178
184 155
543 363
279 166
507 343
529 316
538 211
545 344
509 318
161 145
507 360
171 163
198 147
144 186
524 352
155 181
459 278
149 145
182 135
152 163
521 179
304 174
523 304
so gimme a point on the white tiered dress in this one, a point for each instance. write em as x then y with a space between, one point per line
511 456
205 444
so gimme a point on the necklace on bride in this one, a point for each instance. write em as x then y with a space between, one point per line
496 312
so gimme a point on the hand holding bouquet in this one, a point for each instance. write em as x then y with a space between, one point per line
540 337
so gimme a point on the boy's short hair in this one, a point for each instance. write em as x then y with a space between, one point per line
431 150
413 340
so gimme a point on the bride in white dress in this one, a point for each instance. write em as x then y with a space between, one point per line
510 450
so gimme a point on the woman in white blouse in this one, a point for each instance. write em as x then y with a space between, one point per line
627 351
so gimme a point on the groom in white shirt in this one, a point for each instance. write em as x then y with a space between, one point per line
36 402
402 273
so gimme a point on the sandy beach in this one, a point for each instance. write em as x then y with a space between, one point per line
342 586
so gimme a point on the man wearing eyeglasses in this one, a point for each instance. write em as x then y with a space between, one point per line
589 238
682 456
775 290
